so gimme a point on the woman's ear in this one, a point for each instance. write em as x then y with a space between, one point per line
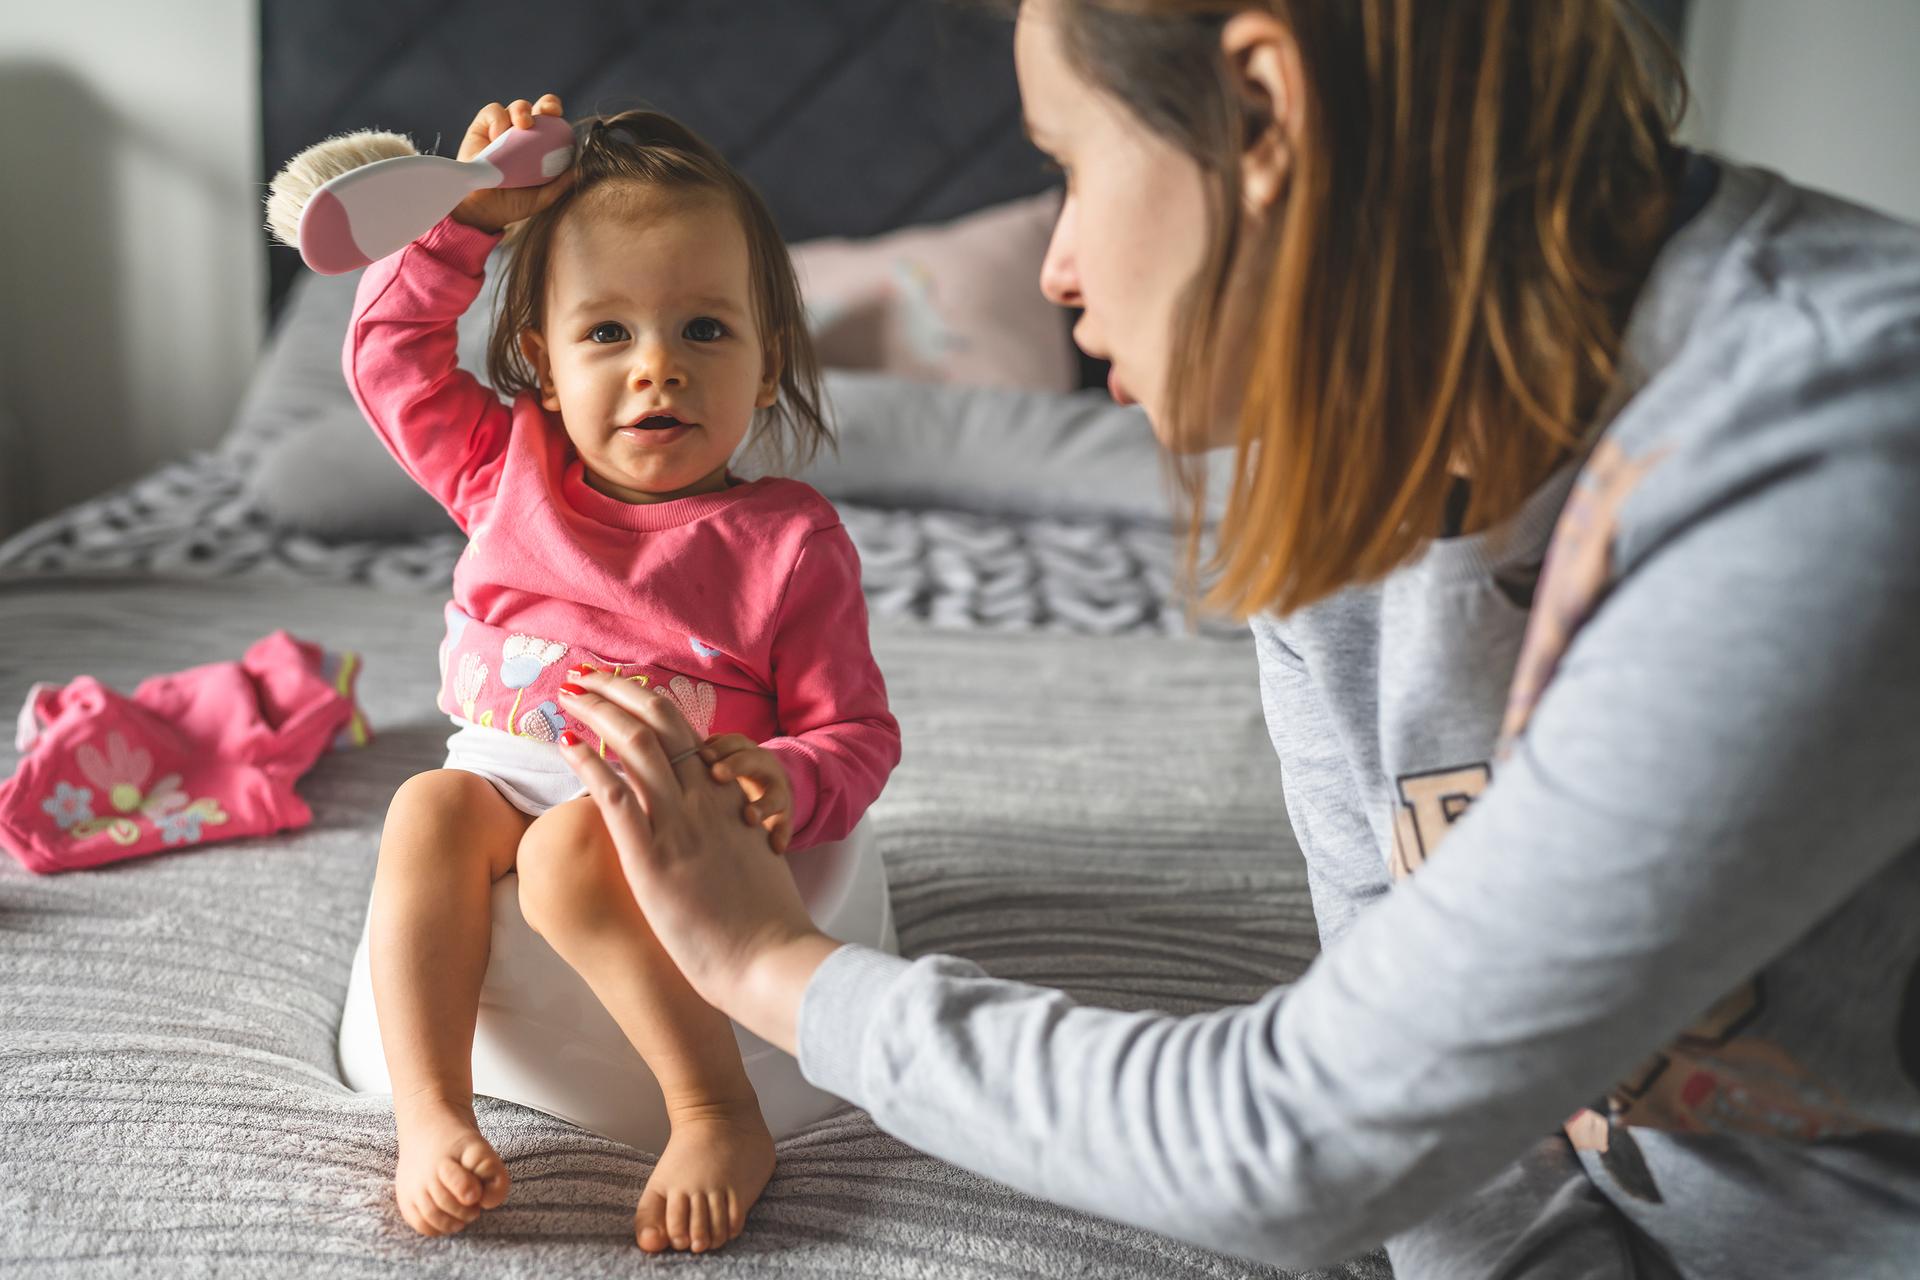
534 348
1263 66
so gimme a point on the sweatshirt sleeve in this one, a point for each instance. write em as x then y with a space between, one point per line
1345 870
445 428
1746 694
838 740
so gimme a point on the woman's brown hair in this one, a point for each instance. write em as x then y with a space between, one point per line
1479 190
647 149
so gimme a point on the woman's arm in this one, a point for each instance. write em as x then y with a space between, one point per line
1746 696
1725 757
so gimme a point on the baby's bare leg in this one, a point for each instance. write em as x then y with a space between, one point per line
449 835
720 1154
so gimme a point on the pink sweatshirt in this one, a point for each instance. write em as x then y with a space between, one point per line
744 605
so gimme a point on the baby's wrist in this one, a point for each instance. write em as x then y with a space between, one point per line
467 217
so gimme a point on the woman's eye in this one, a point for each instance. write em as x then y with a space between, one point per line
705 329
607 332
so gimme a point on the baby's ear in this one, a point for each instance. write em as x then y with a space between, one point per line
769 382
534 348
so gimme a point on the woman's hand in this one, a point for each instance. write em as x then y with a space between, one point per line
494 209
735 757
721 902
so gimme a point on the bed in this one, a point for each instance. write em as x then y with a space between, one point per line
1087 798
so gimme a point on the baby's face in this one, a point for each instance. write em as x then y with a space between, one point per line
650 352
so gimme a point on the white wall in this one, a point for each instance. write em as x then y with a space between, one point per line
1826 92
130 261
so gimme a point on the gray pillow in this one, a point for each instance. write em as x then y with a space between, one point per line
319 469
989 450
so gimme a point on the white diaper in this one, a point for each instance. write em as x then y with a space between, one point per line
530 773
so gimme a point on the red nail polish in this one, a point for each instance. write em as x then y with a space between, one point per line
582 670
571 688
567 739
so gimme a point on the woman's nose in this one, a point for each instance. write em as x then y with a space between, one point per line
1059 274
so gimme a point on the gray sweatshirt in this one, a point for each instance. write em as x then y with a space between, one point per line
1616 862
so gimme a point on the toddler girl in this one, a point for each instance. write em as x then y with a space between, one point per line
648 315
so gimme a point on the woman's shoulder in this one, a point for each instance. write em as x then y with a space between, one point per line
1771 279
1780 329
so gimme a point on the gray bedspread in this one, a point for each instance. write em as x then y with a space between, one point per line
1097 813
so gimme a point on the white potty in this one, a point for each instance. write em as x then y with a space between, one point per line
544 1041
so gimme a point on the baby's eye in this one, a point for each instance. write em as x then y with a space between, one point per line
607 331
705 329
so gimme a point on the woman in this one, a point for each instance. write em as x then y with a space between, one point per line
1436 273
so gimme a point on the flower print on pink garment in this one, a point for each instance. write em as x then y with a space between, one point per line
121 776
696 702
473 679
523 658
543 723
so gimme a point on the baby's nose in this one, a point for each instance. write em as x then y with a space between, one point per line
655 366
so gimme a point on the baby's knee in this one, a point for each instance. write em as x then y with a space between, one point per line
442 811
567 869
438 793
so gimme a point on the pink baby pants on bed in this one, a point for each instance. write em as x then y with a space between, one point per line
210 753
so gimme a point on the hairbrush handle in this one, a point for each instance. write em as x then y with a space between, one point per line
529 157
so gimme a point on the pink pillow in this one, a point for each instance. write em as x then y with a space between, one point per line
955 302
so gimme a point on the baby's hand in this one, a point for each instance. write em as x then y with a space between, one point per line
735 757
492 209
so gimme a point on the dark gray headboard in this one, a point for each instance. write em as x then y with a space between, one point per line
850 116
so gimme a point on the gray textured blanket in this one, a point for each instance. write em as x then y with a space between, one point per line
1100 814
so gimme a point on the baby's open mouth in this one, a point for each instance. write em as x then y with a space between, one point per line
658 422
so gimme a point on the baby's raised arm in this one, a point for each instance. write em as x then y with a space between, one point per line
446 429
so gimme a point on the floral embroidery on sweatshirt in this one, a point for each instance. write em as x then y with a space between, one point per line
473 679
543 723
696 702
523 658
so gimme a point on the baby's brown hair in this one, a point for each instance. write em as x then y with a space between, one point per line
645 148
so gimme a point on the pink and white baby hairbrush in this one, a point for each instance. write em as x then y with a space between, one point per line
358 197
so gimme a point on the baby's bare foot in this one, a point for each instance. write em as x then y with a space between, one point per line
447 1172
716 1164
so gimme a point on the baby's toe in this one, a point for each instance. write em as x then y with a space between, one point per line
441 1199
490 1175
678 1208
493 1193
455 1183
699 1229
650 1222
429 1219
736 1215
717 1219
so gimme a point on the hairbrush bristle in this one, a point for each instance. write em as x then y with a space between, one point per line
318 165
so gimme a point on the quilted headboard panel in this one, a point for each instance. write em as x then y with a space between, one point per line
850 116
